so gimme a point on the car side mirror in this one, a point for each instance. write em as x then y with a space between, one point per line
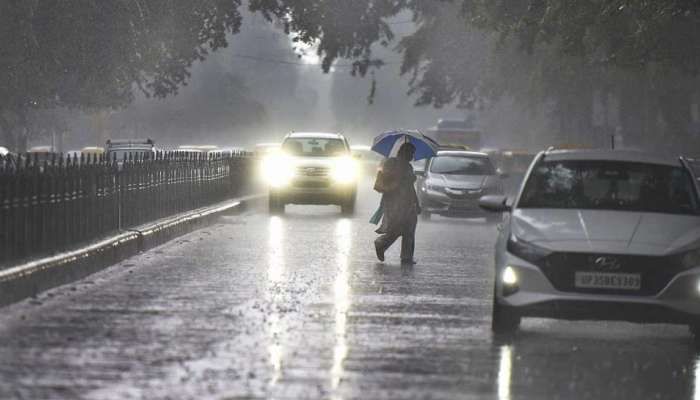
494 203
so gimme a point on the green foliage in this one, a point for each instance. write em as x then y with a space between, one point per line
90 54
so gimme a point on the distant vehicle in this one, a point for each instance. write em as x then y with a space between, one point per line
601 235
312 168
42 153
122 148
453 182
92 150
4 151
450 132
368 159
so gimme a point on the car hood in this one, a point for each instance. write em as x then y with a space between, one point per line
607 231
471 182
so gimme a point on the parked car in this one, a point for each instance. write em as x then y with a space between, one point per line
601 235
452 182
92 150
312 168
122 148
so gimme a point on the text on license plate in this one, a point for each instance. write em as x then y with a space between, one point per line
607 280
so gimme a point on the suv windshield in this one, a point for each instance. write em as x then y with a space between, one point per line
610 185
313 147
459 165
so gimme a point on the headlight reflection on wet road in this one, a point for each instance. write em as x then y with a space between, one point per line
275 273
341 291
696 373
504 372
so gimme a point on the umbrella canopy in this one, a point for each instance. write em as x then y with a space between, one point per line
388 143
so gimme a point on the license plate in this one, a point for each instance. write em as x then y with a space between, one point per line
607 280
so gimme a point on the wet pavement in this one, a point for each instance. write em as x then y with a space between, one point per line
297 307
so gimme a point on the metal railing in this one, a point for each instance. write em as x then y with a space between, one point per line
51 203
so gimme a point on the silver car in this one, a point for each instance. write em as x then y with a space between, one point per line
453 182
601 235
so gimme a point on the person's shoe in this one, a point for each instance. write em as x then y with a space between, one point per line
408 262
380 253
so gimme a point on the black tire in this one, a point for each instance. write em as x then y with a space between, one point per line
504 321
425 215
275 204
348 206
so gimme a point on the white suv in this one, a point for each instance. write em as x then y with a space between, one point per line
602 235
312 168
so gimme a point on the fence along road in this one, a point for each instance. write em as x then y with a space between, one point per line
51 204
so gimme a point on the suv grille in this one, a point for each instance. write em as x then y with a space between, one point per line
313 171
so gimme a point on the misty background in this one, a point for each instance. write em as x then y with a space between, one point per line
438 65
263 86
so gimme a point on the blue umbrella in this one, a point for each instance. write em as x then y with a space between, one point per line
388 143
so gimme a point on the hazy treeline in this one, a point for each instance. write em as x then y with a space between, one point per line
535 71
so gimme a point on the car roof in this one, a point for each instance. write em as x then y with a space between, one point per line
611 155
462 153
316 135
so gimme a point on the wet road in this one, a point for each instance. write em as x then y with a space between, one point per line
297 307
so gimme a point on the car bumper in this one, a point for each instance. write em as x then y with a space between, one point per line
677 302
439 203
331 194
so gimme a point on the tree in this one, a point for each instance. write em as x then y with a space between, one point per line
91 54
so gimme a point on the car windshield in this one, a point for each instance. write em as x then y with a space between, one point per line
610 185
314 147
460 165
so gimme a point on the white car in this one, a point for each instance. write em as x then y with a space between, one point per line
600 235
311 168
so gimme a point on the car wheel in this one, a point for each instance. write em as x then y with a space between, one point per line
504 320
348 206
275 204
425 215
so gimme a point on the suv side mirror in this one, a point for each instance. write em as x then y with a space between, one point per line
494 203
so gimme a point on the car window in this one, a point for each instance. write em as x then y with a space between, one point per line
314 147
610 185
458 165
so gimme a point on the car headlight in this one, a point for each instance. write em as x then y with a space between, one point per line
344 170
278 170
526 250
429 185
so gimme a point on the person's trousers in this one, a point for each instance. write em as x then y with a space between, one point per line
408 240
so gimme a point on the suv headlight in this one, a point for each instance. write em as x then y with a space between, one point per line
278 170
526 250
344 170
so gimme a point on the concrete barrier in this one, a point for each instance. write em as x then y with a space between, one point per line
33 277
